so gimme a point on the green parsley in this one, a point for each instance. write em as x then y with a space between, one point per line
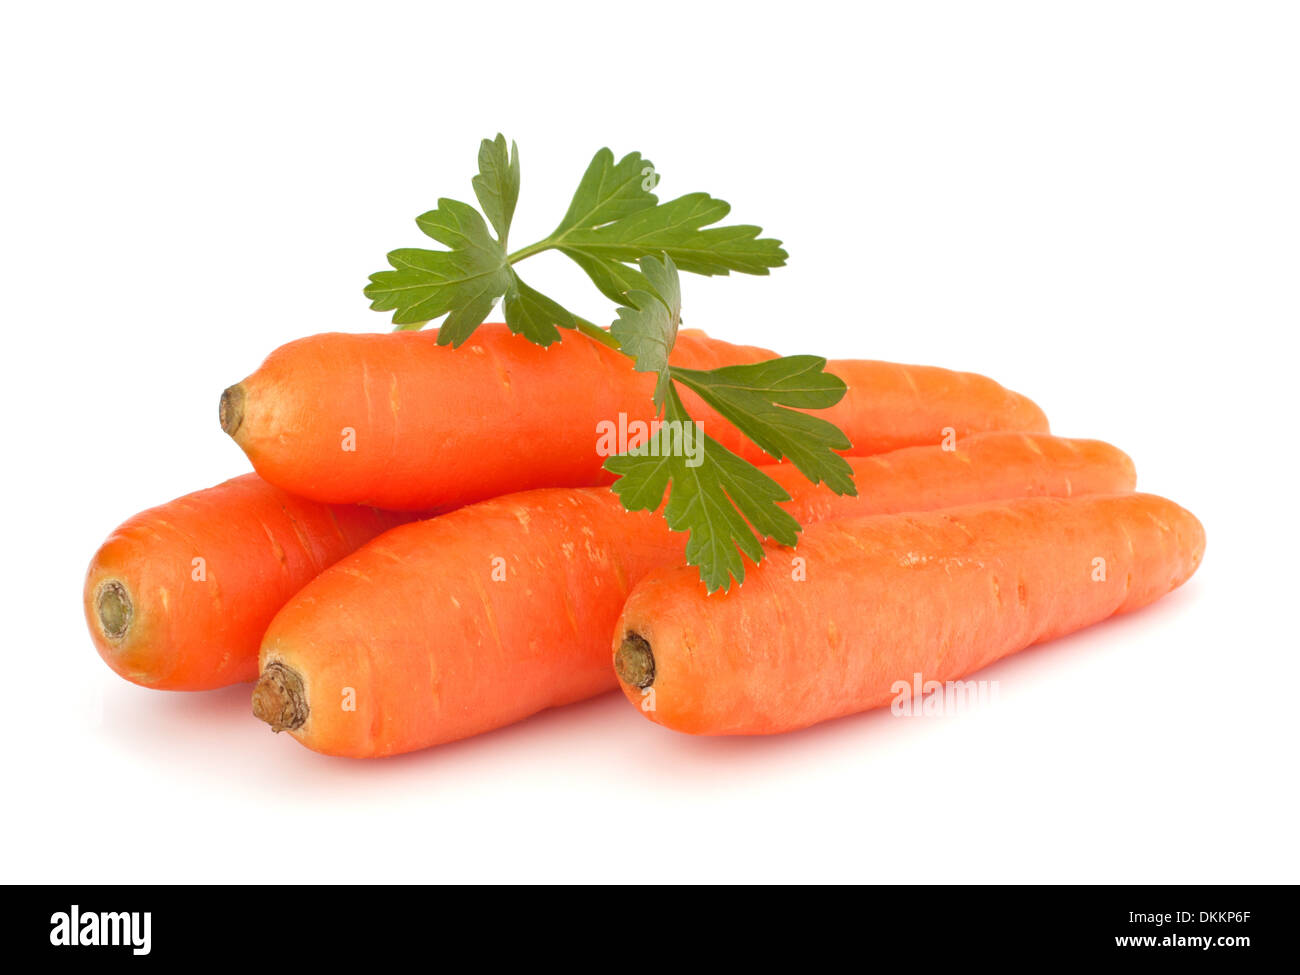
632 247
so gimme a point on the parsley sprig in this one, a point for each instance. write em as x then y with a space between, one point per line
614 218
632 247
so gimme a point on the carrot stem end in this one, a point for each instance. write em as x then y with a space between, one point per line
280 699
114 608
231 409
634 661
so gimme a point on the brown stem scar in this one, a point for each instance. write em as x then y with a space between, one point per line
114 608
279 698
634 662
231 410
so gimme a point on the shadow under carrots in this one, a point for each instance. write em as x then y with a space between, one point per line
602 737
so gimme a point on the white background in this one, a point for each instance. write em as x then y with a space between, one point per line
1095 203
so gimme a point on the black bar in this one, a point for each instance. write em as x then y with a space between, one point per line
934 923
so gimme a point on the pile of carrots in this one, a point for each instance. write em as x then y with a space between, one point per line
423 554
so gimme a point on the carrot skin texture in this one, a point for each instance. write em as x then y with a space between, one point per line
434 648
890 405
434 426
982 467
435 645
198 625
397 421
941 594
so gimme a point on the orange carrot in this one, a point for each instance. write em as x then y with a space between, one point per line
445 628
889 405
889 597
983 467
398 421
178 597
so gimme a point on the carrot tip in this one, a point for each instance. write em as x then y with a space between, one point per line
634 662
231 410
114 608
279 698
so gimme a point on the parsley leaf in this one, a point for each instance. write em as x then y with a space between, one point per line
647 324
462 283
497 184
614 219
756 399
609 191
716 496
716 500
678 228
533 315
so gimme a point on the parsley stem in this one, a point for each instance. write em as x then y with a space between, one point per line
596 332
601 335
529 251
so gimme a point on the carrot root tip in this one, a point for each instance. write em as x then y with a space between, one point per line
231 410
279 698
634 661
114 608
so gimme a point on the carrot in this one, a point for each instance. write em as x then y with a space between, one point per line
449 627
889 405
886 598
178 596
983 467
398 421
